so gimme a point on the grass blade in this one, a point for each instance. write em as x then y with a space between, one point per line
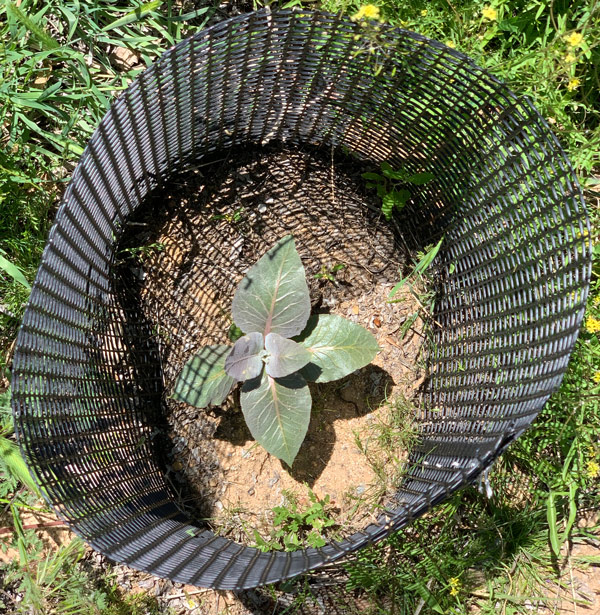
428 598
572 511
18 525
429 257
39 33
138 13
14 272
10 455
421 266
552 521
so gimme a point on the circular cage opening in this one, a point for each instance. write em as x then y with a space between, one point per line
256 128
179 262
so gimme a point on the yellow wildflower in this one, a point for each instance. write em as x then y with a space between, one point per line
450 44
592 324
489 13
592 469
573 84
454 585
570 58
367 11
596 377
574 39
423 12
585 233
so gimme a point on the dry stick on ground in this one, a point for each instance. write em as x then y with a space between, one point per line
185 594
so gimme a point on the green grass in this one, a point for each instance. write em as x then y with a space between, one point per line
59 73
58 76
63 582
527 47
500 550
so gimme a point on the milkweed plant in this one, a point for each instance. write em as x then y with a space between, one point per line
281 348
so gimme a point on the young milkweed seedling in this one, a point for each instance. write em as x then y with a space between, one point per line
283 346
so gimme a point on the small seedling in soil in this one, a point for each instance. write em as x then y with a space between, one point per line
329 273
283 346
389 188
140 253
230 218
296 528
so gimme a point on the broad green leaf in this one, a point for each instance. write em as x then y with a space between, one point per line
284 356
338 347
387 206
11 458
397 175
394 198
418 179
386 168
13 271
203 380
399 197
234 333
245 360
273 296
277 412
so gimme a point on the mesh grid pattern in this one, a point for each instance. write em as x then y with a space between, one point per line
516 266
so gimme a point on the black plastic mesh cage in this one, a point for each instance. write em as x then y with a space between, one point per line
89 374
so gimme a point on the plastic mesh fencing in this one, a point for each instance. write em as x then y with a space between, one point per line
515 266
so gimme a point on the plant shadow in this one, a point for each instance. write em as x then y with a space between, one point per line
352 397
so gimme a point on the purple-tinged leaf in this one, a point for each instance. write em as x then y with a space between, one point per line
284 357
277 412
245 360
274 295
